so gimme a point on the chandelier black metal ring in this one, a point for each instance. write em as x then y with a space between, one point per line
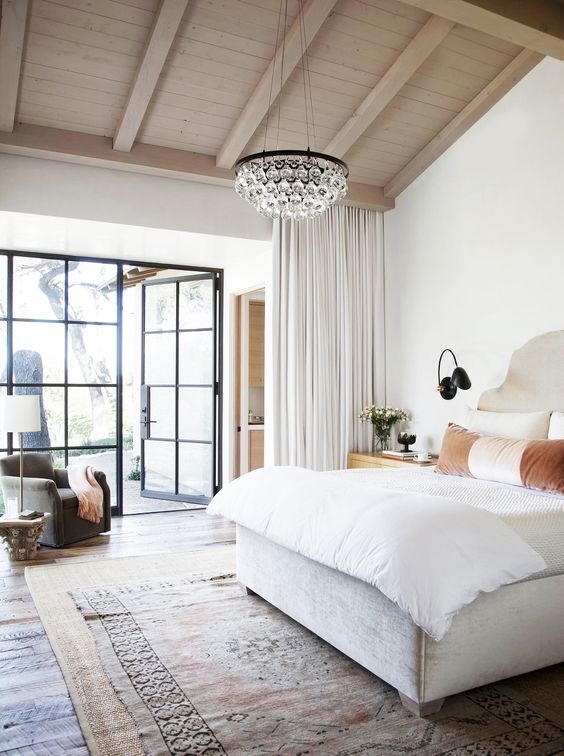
291 184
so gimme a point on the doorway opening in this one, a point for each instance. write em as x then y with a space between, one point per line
249 381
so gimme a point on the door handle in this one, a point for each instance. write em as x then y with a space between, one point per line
144 420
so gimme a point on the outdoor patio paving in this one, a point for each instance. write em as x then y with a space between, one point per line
134 503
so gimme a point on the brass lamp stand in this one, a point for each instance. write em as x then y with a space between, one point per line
20 434
21 415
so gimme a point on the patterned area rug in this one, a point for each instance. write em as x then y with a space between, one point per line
203 669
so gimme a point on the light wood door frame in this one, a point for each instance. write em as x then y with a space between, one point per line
237 389
240 379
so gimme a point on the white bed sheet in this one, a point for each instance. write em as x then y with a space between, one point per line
536 516
415 548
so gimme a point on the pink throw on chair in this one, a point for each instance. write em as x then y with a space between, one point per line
88 491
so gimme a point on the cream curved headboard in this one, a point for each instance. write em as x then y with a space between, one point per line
534 380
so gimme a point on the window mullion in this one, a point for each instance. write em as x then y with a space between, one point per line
66 369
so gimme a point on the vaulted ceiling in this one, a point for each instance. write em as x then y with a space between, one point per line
181 87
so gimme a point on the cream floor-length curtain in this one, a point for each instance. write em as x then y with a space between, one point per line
328 319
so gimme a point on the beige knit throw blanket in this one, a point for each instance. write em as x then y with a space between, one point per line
88 491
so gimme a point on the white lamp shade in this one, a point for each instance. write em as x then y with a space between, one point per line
21 413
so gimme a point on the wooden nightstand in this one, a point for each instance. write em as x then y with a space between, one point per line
367 459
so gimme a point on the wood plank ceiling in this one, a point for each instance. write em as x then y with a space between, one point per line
392 84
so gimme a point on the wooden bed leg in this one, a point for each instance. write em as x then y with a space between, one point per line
247 590
421 709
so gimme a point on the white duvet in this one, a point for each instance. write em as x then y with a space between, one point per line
430 555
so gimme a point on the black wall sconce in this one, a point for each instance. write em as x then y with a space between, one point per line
449 385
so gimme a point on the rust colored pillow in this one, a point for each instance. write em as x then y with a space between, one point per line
533 464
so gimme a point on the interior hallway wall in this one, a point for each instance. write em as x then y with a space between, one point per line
84 192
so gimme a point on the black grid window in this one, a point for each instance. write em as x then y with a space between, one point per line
60 319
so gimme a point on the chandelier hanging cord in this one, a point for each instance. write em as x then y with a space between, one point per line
281 69
291 184
304 47
306 72
276 45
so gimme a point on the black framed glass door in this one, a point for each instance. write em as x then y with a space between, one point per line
179 411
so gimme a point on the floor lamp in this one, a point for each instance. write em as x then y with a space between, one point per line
21 415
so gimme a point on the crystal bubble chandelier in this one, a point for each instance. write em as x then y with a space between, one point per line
291 184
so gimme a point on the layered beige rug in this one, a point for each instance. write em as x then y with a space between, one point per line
165 655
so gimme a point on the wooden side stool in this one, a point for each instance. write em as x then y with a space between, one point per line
21 536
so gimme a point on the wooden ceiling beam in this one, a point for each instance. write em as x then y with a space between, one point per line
534 24
12 35
402 69
315 13
160 40
486 99
88 149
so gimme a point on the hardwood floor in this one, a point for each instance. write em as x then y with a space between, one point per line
36 714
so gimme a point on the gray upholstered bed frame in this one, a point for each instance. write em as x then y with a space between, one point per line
516 629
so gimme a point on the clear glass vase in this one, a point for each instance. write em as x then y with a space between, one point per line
381 441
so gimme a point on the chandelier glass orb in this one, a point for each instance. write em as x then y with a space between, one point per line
291 184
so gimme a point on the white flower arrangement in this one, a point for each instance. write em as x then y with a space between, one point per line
383 420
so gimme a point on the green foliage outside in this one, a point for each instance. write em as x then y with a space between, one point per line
135 473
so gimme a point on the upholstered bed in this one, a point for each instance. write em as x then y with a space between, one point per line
514 629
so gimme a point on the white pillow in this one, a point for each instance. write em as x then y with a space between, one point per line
556 427
525 425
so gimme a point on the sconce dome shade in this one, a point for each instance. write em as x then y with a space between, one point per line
460 379
447 388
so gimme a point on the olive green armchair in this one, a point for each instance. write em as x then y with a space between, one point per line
46 489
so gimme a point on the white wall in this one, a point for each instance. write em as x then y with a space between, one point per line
247 263
475 252
52 188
